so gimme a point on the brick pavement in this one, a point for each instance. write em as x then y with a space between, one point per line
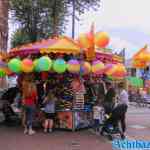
12 138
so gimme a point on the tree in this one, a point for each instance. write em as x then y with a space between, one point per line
36 17
4 6
19 38
44 18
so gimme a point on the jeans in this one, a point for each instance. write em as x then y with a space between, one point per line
29 112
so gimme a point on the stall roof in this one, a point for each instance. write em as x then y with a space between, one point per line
56 45
32 48
62 45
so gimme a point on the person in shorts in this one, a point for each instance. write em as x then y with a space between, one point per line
49 110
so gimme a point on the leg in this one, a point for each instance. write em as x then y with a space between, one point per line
46 124
24 121
51 122
123 124
30 120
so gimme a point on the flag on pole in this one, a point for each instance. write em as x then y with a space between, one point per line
90 52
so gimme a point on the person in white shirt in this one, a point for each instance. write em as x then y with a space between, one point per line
123 99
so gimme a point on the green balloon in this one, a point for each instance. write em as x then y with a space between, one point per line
2 73
44 63
36 68
60 66
15 65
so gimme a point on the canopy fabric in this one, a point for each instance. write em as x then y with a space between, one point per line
108 57
142 50
31 48
136 82
62 45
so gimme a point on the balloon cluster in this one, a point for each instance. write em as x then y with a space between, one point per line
101 40
116 71
45 64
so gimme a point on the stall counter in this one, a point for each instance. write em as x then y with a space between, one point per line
73 119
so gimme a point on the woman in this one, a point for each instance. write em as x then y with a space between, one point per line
29 103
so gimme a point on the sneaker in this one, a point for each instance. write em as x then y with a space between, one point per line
45 130
31 132
50 130
25 131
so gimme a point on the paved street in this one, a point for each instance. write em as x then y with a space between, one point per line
12 138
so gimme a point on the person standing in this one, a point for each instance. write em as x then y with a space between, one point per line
29 102
123 99
49 110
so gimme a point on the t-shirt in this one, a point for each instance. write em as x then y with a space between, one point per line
97 112
123 97
30 101
50 107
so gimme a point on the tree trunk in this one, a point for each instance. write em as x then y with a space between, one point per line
4 6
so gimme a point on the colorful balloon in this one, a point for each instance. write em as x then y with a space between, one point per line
73 66
97 67
119 71
101 39
35 64
2 73
27 65
44 63
60 66
15 65
85 68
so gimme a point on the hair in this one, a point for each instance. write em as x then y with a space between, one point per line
121 85
26 89
50 96
110 95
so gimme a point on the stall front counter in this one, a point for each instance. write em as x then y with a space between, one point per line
73 119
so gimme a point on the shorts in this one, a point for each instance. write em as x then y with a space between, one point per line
96 123
50 116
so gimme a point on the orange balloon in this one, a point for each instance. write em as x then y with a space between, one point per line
101 39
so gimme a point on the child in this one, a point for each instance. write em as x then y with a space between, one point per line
97 115
49 110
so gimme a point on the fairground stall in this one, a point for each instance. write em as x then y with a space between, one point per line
65 67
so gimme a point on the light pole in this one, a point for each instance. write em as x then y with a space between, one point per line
73 18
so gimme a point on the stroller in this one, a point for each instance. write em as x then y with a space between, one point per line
11 117
110 124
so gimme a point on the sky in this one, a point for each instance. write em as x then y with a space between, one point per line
126 21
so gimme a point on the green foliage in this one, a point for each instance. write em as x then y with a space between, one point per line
18 38
43 18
